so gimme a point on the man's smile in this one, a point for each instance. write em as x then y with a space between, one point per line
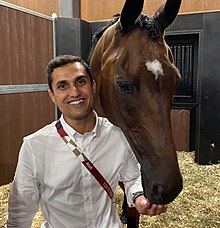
76 102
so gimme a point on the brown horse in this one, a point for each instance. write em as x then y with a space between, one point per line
136 78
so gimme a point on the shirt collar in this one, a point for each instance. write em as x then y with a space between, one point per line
72 132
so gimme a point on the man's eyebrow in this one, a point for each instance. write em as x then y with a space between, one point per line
84 77
61 82
76 79
79 77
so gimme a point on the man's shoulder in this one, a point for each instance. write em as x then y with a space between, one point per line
47 130
106 124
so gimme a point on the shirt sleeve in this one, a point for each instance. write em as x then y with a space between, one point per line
24 195
131 177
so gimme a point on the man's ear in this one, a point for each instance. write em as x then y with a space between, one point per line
94 86
51 95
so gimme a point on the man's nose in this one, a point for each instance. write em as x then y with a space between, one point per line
74 91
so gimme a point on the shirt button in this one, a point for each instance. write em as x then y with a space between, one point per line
86 175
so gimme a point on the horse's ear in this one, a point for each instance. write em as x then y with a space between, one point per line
130 13
167 13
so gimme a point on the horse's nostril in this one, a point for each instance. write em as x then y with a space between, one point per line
158 193
159 189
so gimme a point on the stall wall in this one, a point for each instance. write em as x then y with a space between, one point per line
26 46
46 7
104 10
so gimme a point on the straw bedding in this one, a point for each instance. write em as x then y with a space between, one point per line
198 205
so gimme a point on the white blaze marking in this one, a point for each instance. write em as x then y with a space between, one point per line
155 67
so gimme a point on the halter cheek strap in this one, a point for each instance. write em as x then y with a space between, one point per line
82 157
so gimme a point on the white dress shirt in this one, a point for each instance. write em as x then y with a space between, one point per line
50 175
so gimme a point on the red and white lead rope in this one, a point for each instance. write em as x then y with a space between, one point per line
82 157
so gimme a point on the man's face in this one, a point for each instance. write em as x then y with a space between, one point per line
73 92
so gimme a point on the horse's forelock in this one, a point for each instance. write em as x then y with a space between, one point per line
148 24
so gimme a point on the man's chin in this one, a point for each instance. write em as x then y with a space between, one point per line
80 116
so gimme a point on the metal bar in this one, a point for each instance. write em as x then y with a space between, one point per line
8 89
76 8
22 9
182 32
70 8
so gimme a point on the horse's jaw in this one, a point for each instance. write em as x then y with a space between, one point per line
161 178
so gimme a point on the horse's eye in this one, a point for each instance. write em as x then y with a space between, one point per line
124 87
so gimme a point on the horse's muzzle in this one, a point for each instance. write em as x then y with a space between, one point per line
163 195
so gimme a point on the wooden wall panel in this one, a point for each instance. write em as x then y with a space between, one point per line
181 128
26 45
46 7
104 10
27 110
21 114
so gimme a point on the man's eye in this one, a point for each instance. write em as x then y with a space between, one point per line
81 82
62 86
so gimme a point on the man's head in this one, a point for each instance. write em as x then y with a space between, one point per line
72 88
62 60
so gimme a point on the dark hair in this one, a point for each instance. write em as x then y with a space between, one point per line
62 60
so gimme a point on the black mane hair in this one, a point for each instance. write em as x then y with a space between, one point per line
145 22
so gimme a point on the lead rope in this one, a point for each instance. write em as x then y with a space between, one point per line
82 157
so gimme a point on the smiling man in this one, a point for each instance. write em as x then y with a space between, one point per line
72 166
73 90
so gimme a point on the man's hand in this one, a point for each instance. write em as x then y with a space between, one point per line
143 207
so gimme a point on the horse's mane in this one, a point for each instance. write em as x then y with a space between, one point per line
145 22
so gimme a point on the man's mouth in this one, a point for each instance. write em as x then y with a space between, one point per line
77 102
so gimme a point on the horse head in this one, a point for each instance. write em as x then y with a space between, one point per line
136 78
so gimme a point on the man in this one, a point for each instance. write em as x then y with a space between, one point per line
49 174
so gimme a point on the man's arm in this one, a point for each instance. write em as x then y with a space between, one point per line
132 180
24 196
